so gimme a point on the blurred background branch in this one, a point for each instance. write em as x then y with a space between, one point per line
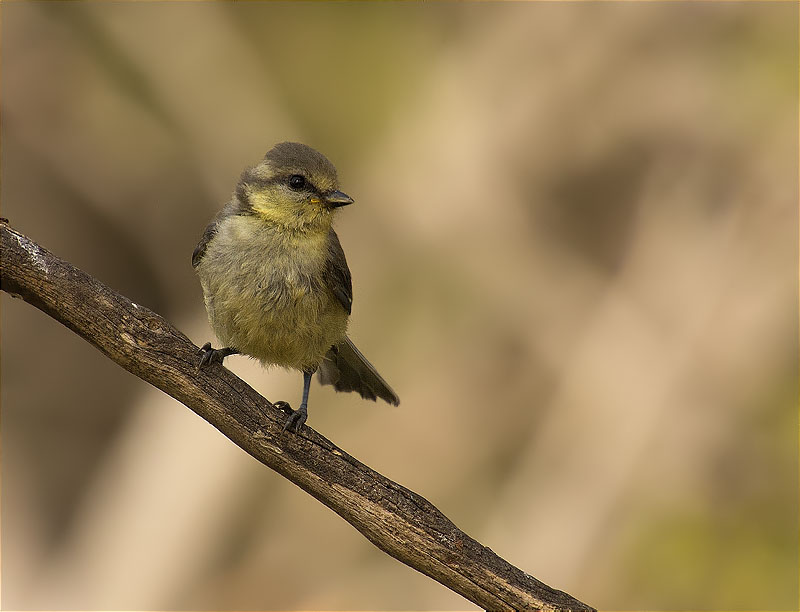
398 521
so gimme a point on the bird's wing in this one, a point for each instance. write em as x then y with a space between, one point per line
344 366
337 273
231 208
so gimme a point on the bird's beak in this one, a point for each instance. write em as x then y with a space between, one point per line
335 199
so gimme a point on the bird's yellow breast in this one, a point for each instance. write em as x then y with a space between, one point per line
266 292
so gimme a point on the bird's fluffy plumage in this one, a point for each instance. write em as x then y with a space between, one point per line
275 279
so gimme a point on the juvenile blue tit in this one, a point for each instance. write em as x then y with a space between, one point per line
275 280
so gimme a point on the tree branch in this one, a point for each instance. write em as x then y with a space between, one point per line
396 520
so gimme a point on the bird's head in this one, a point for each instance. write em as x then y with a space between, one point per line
294 187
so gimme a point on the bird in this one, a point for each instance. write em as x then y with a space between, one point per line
276 284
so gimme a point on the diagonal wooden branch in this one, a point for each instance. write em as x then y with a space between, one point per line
396 520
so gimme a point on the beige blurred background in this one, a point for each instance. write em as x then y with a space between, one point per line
574 251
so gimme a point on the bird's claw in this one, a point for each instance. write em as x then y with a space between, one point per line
296 417
210 355
284 406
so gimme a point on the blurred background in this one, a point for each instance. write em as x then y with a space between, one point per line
574 252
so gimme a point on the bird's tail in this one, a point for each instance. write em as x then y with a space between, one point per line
347 369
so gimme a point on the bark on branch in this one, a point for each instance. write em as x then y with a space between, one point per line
395 519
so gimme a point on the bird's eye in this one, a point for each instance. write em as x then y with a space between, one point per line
297 181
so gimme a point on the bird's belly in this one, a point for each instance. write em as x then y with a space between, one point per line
287 320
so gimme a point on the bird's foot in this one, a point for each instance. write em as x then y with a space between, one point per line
296 417
212 355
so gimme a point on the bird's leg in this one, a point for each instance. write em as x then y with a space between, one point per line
212 355
299 416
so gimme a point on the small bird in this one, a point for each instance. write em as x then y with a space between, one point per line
275 280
